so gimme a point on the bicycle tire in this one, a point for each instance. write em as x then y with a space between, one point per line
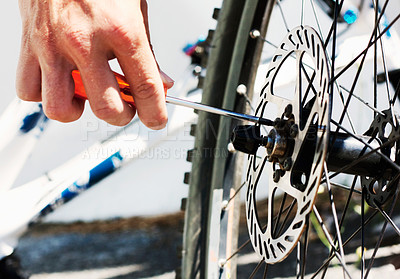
217 92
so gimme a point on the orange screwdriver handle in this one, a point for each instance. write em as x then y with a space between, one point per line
125 90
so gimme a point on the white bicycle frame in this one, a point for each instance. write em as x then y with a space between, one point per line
22 124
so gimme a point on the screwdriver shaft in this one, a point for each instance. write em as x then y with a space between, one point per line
223 112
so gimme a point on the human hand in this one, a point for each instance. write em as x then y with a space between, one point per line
63 35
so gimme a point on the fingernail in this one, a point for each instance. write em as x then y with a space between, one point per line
168 81
156 125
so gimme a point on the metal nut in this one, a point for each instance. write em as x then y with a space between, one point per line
288 110
287 164
294 130
277 175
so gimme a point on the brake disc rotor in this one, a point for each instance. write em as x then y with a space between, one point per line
297 146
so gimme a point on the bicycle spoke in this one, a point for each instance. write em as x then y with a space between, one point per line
375 60
382 233
236 192
327 262
310 86
302 13
329 239
248 101
346 207
333 59
256 269
334 214
371 42
343 103
345 187
345 210
362 233
362 101
396 95
265 271
298 260
238 250
387 217
346 105
288 209
328 37
385 70
331 64
316 18
283 15
360 67
252 109
305 248
275 227
364 223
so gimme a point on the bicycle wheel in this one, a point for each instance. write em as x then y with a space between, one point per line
326 72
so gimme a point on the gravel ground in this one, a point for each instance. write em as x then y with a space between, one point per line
128 248
147 249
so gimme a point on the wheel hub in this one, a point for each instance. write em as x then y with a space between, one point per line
378 186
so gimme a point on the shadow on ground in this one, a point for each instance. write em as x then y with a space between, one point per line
148 246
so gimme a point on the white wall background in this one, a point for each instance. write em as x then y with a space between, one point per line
146 187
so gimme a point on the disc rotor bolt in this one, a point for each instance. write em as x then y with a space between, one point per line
279 123
287 164
294 130
288 110
277 175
